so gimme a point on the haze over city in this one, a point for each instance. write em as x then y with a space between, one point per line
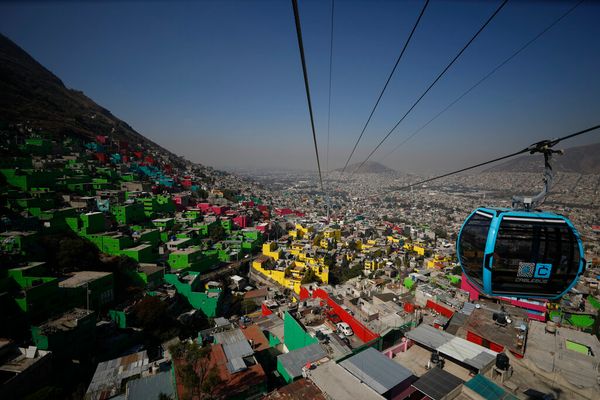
220 82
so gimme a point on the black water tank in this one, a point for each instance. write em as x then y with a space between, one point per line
502 361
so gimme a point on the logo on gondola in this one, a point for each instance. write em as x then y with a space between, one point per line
533 272
542 270
526 270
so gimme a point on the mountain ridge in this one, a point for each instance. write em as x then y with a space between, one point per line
370 167
33 96
579 159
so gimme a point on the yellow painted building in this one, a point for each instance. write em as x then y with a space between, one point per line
293 281
373 264
420 250
335 234
438 261
393 239
300 231
270 249
278 275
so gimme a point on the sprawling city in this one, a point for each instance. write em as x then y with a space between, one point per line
128 271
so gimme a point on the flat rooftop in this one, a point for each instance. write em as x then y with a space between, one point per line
22 358
573 354
301 389
149 269
65 322
481 323
159 220
79 279
416 359
187 250
139 247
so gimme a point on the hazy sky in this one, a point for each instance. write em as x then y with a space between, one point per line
220 82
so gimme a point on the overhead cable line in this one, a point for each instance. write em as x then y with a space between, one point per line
530 149
305 73
329 100
386 83
329 103
493 71
434 82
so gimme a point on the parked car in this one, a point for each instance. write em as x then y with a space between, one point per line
344 328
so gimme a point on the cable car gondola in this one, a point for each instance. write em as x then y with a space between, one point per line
521 252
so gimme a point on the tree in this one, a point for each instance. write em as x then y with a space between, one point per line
211 381
194 369
229 194
456 270
345 262
310 276
249 306
440 233
216 232
150 313
189 379
352 245
71 253
201 193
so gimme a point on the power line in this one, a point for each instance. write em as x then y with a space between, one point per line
434 82
306 86
493 71
330 70
386 83
530 149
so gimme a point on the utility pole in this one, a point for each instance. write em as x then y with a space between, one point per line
87 295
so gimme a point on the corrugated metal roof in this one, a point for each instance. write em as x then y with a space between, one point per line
376 370
451 346
468 308
340 384
236 365
296 359
227 337
110 374
151 387
437 383
488 389
238 349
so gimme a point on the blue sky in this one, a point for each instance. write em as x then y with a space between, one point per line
220 82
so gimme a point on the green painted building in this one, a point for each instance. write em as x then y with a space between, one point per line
128 213
295 336
111 243
193 259
142 253
37 295
89 289
205 299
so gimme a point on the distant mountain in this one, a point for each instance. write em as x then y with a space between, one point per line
370 167
581 159
32 96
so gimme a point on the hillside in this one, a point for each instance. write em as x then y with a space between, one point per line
581 159
370 167
33 96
